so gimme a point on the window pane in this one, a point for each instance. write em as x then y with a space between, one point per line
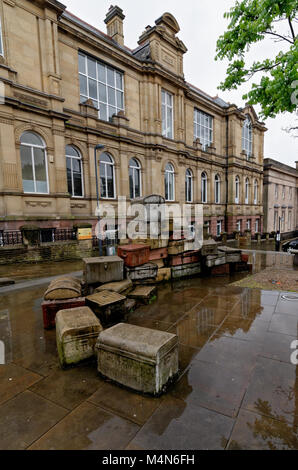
71 151
110 183
131 192
91 67
77 183
119 81
101 70
103 111
102 92
110 77
92 89
112 111
82 64
111 96
30 138
102 172
69 180
137 183
120 99
40 171
83 85
27 171
169 123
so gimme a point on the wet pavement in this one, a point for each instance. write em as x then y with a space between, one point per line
237 387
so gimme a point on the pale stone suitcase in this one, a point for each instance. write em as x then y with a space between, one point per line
186 270
103 269
77 330
139 358
146 271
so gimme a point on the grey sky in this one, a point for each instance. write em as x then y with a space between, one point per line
201 22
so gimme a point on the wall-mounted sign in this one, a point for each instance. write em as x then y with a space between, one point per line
84 233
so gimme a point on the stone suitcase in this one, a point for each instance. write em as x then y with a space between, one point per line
146 271
160 253
232 254
139 358
108 306
185 258
216 260
51 307
103 269
209 248
186 270
77 330
134 254
176 247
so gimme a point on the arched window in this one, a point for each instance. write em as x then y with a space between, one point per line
74 171
237 189
34 164
169 182
107 176
217 189
246 191
247 137
134 178
188 186
204 187
256 192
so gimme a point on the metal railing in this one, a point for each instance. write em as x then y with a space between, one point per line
10 237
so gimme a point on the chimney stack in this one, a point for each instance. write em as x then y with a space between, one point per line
114 22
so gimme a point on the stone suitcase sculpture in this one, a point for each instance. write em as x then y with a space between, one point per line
134 254
103 269
139 358
108 306
146 271
77 330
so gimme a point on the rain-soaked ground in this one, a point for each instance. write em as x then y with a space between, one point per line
237 387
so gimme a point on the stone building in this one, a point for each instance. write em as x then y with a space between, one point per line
69 86
280 197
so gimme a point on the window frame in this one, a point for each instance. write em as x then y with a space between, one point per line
99 82
134 169
112 164
72 157
257 223
204 188
32 146
247 137
189 181
237 189
166 107
247 191
218 226
238 225
200 128
172 173
256 192
217 189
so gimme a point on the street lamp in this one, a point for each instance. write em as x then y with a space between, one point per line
98 147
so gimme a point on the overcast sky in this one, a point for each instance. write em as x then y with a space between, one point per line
201 22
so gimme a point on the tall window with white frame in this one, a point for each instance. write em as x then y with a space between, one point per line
203 128
1 39
134 178
107 176
246 191
189 186
167 114
257 226
247 137
74 172
256 192
237 190
169 182
204 188
289 220
102 84
217 189
34 164
218 228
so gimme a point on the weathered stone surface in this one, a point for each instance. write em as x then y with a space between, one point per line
209 248
103 269
233 255
143 293
217 260
108 306
77 330
139 358
159 263
185 270
176 247
6 281
130 305
63 288
146 271
120 287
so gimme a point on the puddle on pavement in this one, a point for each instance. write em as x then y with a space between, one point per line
28 271
237 387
